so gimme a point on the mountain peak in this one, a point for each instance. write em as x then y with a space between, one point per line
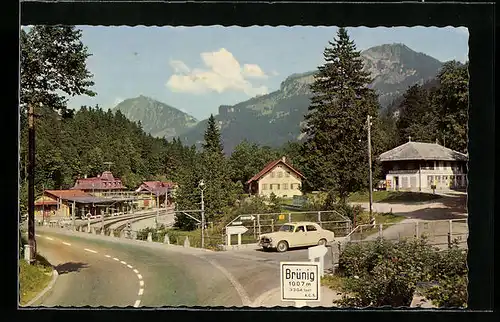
157 118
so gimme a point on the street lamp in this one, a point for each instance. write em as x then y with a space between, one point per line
202 185
368 124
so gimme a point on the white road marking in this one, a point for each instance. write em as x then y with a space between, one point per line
129 266
67 244
139 276
137 303
116 259
124 263
136 271
107 256
141 291
49 238
90 250
141 283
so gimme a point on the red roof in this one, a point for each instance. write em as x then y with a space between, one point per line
46 203
106 181
271 165
66 193
156 187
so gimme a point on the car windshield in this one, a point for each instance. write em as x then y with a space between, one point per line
288 228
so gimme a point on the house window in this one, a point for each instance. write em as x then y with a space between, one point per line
272 175
264 186
280 174
285 186
287 174
278 186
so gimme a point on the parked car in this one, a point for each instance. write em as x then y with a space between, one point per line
297 234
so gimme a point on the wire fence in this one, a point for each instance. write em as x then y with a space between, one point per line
441 234
251 226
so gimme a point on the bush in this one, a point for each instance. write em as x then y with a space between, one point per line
382 273
450 292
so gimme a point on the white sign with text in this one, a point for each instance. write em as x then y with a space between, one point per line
300 282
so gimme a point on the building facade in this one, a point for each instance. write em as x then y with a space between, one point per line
152 192
419 166
277 177
100 185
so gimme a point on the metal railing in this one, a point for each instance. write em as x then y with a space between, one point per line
258 224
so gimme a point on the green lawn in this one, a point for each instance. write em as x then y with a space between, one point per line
393 197
33 278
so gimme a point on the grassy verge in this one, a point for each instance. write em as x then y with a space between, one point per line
334 282
380 218
33 278
393 196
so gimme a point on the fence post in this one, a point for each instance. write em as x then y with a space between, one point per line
254 231
289 217
416 230
319 219
272 225
258 224
380 230
450 233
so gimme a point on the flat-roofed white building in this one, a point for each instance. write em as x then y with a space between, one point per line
418 166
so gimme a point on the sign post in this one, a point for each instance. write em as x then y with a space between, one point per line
235 230
300 282
318 252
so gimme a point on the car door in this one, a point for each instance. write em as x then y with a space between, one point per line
299 236
313 235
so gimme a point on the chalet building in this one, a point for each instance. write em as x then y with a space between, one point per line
100 185
277 177
63 203
418 166
150 192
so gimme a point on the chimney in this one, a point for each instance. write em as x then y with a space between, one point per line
283 159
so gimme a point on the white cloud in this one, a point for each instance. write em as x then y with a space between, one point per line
274 73
252 70
222 73
179 66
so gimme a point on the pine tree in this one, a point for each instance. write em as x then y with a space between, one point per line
416 116
212 136
335 149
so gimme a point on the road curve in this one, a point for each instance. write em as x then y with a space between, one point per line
170 278
86 276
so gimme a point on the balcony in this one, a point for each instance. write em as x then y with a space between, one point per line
450 171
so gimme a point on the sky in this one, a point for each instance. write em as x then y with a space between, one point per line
197 69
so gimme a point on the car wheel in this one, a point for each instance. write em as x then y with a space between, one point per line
322 241
282 246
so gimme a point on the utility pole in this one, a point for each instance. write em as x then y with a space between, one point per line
202 184
157 209
370 191
31 182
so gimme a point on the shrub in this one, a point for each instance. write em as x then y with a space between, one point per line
450 292
382 273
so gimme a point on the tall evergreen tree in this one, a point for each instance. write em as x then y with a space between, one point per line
335 149
451 101
417 118
213 142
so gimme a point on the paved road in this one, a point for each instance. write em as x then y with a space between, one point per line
172 275
170 278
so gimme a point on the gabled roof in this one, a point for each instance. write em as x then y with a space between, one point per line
422 151
106 181
271 165
63 194
45 203
156 187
